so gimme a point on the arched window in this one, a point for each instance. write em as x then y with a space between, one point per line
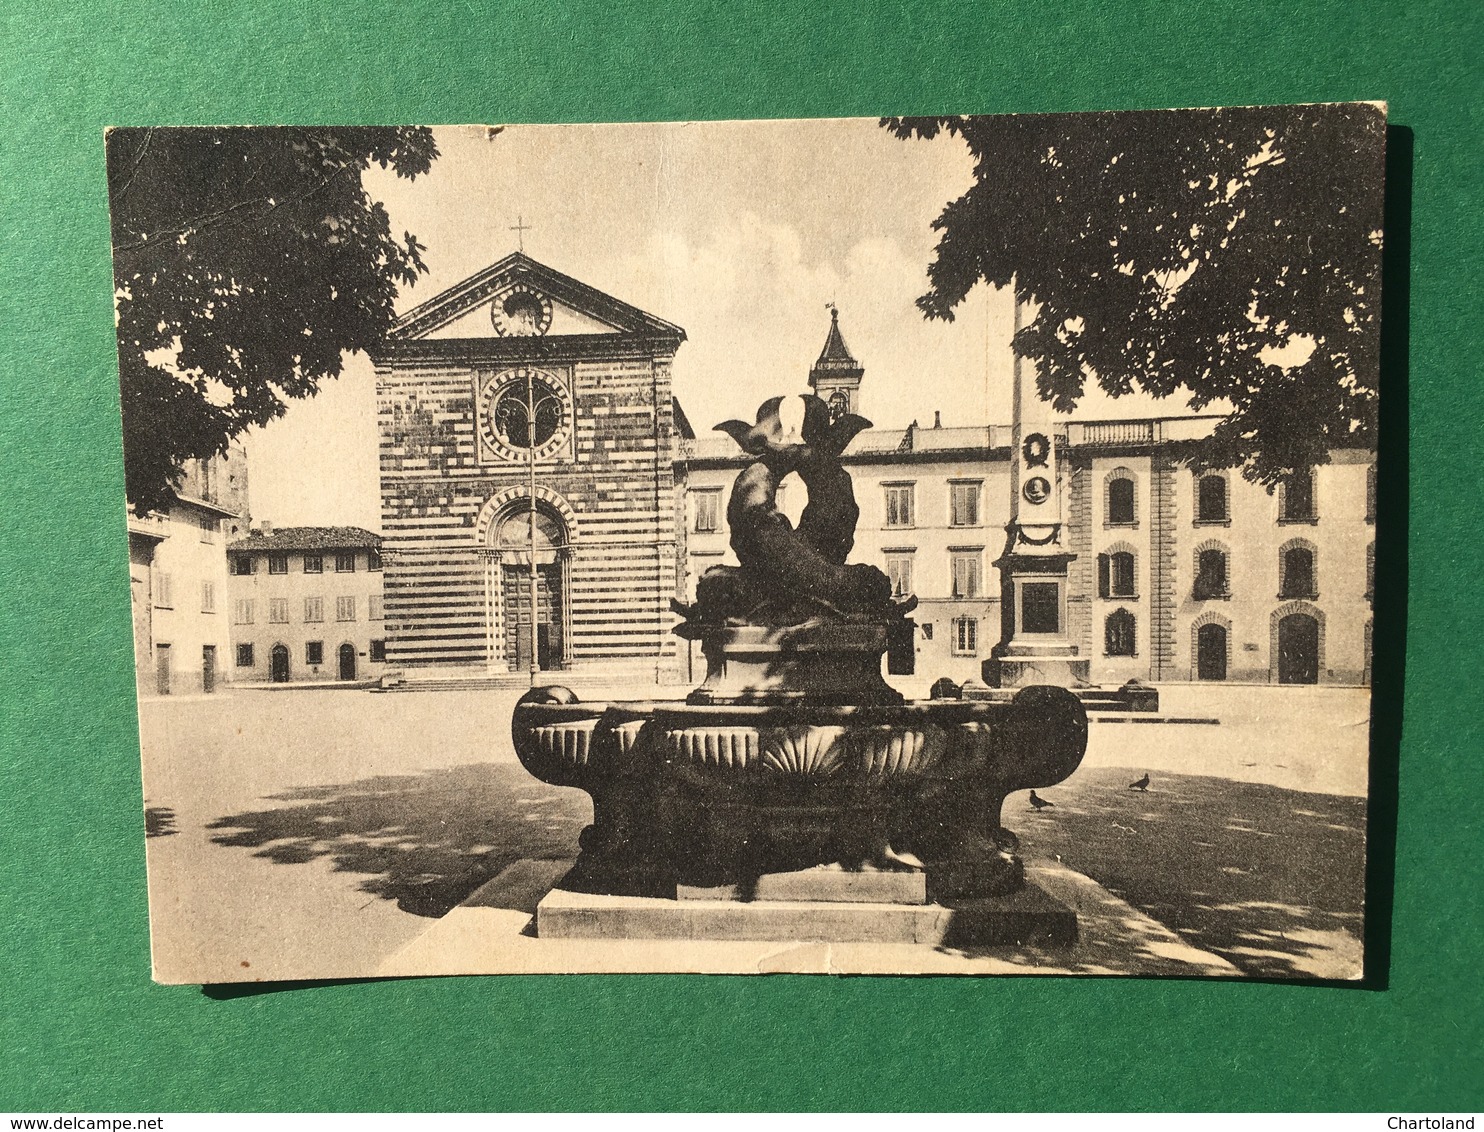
1118 633
1296 575
1211 574
1296 497
839 404
1210 499
1120 498
1116 573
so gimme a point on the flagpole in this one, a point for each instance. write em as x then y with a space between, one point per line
531 515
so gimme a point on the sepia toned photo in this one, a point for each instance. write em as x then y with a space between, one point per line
902 546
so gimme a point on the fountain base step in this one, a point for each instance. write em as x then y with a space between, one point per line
819 884
1028 916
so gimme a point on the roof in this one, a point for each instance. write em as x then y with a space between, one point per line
307 538
519 267
836 356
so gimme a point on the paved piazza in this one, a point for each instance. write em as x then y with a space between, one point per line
319 832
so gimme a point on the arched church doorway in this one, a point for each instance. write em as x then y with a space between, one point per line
1298 649
511 539
278 664
347 662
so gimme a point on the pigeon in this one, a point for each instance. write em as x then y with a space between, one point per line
1038 802
1142 784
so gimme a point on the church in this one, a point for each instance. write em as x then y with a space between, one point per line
524 413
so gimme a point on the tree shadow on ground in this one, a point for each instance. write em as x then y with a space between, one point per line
424 840
1272 880
159 821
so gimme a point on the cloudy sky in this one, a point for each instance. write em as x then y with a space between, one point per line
740 232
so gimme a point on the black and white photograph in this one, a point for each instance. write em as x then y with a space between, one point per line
852 546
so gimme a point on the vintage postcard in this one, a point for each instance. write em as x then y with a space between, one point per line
934 545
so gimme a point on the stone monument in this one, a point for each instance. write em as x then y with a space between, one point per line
795 795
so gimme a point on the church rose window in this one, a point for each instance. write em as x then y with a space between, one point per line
512 411
509 428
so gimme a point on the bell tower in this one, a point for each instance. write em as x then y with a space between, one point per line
836 376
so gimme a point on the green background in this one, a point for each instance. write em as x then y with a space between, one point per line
81 1026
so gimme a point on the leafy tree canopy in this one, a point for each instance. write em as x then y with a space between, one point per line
1203 250
246 261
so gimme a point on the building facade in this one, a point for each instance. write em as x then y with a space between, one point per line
1176 576
522 376
306 605
178 579
521 373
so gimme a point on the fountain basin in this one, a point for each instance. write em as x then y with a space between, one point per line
704 795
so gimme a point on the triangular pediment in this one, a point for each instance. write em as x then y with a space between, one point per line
465 310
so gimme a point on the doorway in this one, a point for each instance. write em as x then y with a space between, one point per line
347 662
208 668
278 664
1298 649
1210 652
162 670
517 590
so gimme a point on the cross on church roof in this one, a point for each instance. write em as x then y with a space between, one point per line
520 227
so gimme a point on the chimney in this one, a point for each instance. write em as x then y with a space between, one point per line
265 527
937 419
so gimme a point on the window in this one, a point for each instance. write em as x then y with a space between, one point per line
373 607
242 565
898 504
314 564
965 636
1121 502
708 511
242 611
964 570
1040 607
1210 500
1116 574
964 504
899 570
278 611
1297 566
208 529
1118 633
378 651
345 609
278 563
244 656
373 559
1370 494
314 609
162 589
345 562
208 597
1370 571
1210 575
314 652
1297 498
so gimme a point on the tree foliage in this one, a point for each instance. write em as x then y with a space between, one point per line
246 262
1186 250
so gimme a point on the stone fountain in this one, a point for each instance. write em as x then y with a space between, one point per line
795 795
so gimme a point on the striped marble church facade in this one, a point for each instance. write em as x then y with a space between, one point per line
457 380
